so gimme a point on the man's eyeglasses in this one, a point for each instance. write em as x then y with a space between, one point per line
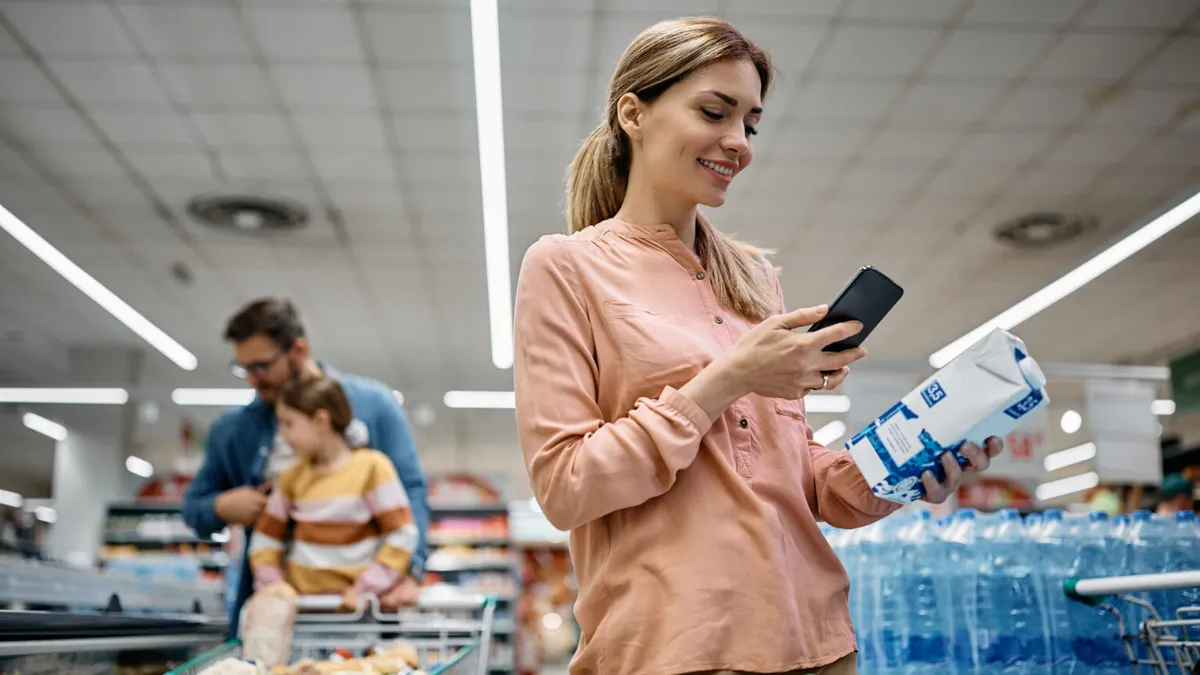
256 368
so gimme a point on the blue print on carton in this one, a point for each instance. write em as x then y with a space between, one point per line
933 394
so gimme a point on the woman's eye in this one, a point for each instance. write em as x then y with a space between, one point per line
711 115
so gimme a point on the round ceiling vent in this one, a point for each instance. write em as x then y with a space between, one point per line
1044 228
248 214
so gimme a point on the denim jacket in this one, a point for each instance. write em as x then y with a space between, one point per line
241 439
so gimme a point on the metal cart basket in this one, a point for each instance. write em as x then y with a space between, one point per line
450 634
1163 646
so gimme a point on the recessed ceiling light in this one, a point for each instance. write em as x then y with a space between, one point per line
44 426
1163 407
65 396
212 397
496 400
139 467
99 293
1071 422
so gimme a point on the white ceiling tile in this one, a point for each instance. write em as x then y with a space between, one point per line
343 167
1042 108
349 130
1002 149
144 128
1023 12
1052 180
243 130
99 82
63 160
432 131
321 87
783 9
429 89
14 166
1136 108
217 85
908 147
69 30
351 198
8 45
791 47
415 38
286 33
860 50
842 102
784 178
937 105
547 135
1176 151
25 83
987 54
962 180
531 91
1095 146
667 7
157 164
561 40
273 164
905 10
1177 64
45 125
188 30
1137 183
879 182
1082 56
1142 14
805 142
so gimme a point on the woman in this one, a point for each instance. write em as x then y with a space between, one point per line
660 390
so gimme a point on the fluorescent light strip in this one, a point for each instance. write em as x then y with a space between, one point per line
79 396
213 397
1075 279
494 400
11 499
1163 407
830 433
139 467
1066 486
44 426
826 403
96 291
489 116
1070 456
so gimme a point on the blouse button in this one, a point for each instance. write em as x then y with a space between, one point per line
700 275
743 423
719 320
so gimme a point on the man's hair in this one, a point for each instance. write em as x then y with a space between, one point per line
275 318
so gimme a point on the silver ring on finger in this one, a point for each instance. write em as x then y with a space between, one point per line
825 383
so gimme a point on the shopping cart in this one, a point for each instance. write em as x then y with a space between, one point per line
450 632
1168 646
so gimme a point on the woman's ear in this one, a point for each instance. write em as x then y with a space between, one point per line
323 418
629 115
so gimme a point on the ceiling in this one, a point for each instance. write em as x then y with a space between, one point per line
900 132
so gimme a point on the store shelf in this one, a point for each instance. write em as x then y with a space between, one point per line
436 539
130 508
156 542
468 509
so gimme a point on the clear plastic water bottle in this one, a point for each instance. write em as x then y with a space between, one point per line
1151 537
1185 556
960 538
891 620
1096 640
1019 647
1055 554
928 649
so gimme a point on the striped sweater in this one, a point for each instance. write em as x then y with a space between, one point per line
350 526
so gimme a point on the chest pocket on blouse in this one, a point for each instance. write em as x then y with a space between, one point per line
656 349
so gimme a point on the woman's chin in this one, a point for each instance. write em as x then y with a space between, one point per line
713 198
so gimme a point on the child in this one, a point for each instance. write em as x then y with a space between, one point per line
352 531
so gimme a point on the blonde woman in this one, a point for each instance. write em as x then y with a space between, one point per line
660 388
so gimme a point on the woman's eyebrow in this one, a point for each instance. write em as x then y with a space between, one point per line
731 100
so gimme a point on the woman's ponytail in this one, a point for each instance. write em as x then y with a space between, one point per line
597 178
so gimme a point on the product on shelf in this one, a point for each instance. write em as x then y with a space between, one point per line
463 528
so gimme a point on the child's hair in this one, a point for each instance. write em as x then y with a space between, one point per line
310 394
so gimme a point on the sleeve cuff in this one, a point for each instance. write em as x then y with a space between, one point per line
860 491
687 409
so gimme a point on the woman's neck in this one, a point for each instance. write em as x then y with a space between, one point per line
332 456
643 205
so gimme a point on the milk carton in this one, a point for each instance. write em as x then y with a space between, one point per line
983 392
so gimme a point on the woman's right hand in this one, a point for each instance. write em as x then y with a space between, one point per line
775 361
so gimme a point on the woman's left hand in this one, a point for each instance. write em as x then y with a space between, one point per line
978 459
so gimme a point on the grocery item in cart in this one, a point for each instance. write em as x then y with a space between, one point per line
983 392
268 620
233 667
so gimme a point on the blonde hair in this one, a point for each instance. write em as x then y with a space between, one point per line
657 58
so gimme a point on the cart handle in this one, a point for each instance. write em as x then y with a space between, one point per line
1090 591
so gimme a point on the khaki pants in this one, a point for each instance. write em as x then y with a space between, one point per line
847 665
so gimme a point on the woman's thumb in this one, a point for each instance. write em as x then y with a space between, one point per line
800 318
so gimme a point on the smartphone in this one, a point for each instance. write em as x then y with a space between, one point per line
868 298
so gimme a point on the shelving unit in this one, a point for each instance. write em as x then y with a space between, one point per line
151 540
470 547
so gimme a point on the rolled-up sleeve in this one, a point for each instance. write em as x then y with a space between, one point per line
844 499
581 467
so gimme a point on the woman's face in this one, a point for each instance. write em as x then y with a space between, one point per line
304 435
695 139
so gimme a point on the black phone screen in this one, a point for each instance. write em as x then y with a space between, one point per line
868 298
